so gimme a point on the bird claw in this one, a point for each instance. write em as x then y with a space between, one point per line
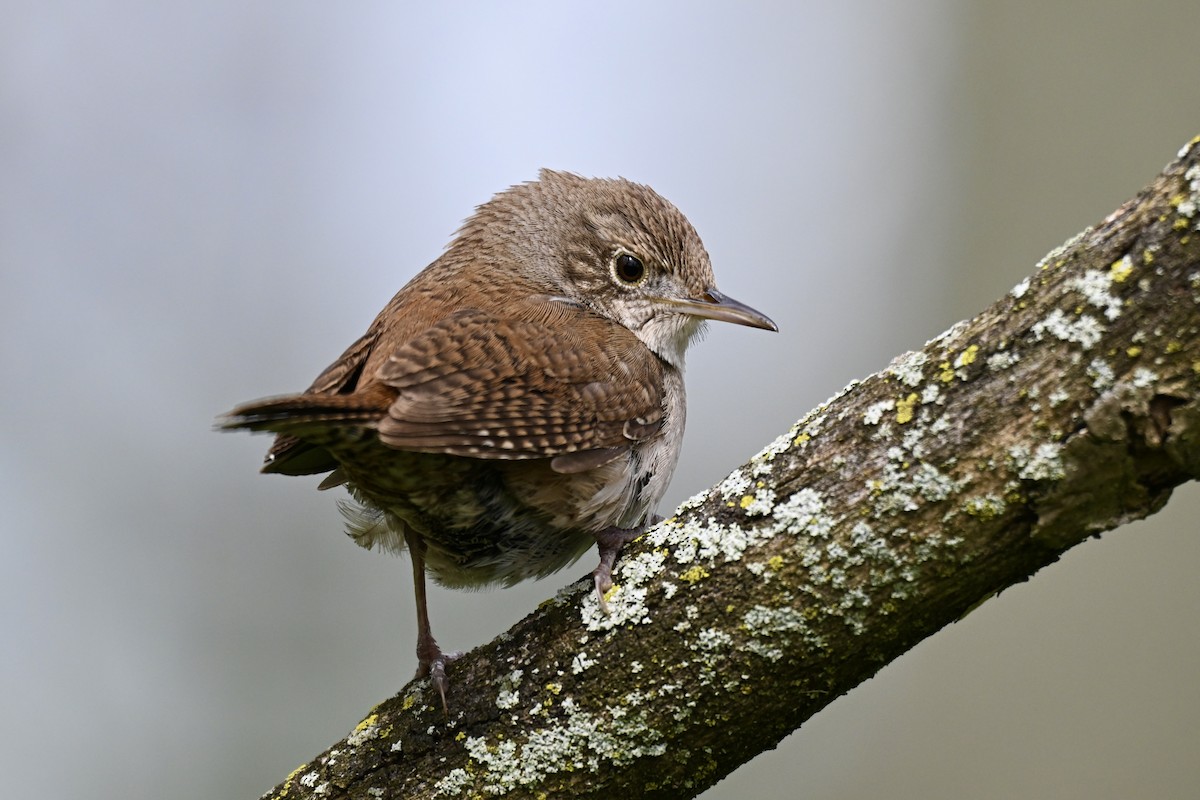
435 670
610 541
602 577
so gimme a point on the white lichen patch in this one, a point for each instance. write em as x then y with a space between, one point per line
906 479
779 445
1002 360
875 411
1189 205
912 443
758 504
908 368
453 784
695 541
773 629
578 741
940 425
627 603
1020 289
509 695
581 662
1094 285
710 640
692 503
868 546
735 485
366 730
693 547
1101 374
931 483
1043 464
1085 330
1058 397
804 512
1143 378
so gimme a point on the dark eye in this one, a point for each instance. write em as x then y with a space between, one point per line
628 268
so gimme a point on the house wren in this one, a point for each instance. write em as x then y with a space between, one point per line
521 398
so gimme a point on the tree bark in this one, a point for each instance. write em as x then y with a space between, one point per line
1067 408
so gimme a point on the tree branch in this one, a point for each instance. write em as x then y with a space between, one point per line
1067 408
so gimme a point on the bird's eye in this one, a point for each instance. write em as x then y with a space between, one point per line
628 269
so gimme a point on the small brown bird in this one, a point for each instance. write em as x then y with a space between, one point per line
520 398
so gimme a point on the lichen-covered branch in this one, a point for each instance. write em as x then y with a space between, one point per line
1069 407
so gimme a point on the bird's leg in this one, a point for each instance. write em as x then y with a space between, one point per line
609 542
431 660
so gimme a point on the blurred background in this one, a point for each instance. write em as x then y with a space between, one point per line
205 203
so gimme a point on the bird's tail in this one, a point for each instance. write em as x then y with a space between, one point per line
304 424
296 413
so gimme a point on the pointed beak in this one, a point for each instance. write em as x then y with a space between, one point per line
716 306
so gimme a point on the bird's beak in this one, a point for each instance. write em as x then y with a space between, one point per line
716 306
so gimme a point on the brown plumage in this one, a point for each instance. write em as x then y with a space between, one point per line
521 397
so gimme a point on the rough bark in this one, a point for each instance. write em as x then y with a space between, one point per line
1067 408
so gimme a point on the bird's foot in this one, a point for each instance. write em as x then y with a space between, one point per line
610 541
432 664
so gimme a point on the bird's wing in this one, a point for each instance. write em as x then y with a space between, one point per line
554 381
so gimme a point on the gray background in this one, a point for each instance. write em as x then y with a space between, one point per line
202 204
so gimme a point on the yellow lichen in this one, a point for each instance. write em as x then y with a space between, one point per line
904 408
287 783
984 507
967 357
1121 269
696 573
1134 351
1174 347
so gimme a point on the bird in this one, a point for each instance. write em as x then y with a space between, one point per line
520 399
